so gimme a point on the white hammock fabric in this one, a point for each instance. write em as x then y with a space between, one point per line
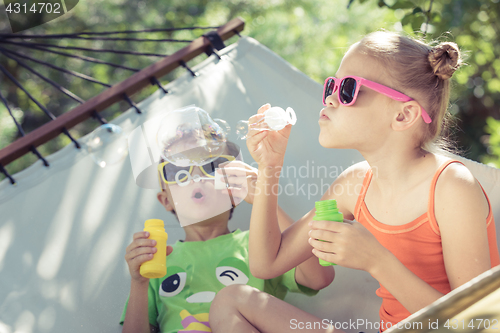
64 229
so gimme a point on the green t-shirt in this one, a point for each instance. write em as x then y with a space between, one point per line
196 271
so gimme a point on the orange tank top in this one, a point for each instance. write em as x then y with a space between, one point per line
417 245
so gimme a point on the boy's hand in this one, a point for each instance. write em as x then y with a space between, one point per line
139 251
241 179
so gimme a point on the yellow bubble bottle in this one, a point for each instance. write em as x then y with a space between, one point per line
156 267
327 210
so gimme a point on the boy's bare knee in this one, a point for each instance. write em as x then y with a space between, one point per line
226 303
237 299
231 295
232 299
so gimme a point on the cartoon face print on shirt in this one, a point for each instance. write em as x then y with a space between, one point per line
202 285
174 283
232 271
196 285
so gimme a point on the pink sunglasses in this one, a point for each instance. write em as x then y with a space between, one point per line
348 89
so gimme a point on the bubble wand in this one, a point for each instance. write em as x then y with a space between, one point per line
274 119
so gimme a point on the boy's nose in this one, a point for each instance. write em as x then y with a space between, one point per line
197 171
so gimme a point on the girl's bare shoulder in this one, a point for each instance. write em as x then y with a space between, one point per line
347 187
457 184
455 177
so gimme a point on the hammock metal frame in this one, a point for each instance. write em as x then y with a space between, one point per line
121 91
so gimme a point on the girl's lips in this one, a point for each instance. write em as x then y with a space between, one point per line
323 116
198 195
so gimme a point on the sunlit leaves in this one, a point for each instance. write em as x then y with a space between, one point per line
493 142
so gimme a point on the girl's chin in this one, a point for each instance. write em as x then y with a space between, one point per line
327 142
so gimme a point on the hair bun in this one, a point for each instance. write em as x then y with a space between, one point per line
445 59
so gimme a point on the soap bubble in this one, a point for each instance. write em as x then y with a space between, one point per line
107 145
274 119
189 136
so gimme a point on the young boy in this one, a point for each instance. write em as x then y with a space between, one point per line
209 258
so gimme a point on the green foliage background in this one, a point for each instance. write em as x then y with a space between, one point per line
311 35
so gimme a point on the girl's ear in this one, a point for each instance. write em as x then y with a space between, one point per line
407 116
164 200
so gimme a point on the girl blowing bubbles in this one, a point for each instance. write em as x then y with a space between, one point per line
423 225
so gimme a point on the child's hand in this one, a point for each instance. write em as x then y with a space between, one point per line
139 251
267 147
348 244
241 179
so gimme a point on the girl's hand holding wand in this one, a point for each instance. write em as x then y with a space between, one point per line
267 147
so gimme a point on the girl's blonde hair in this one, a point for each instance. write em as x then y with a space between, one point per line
422 72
